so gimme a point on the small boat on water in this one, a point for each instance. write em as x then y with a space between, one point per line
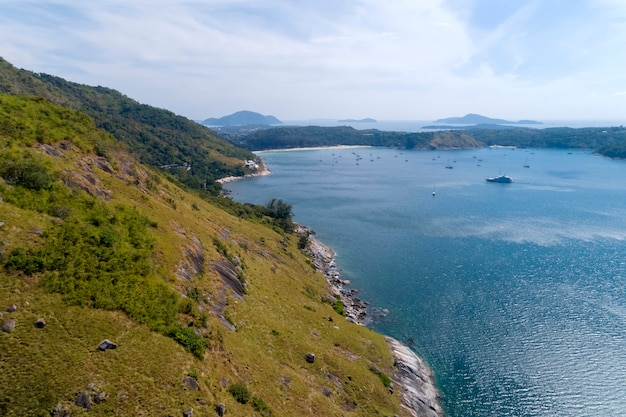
502 179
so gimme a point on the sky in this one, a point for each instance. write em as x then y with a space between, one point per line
335 59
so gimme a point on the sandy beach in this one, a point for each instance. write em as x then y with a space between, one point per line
261 173
265 171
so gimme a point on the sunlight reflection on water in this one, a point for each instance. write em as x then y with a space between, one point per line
515 294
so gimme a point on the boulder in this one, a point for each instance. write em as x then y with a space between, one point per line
40 323
11 308
83 400
100 397
191 383
8 326
310 357
220 409
93 388
106 344
188 412
59 411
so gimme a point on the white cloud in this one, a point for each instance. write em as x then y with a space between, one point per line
345 58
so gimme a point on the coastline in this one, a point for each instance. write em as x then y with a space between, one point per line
315 148
265 171
418 393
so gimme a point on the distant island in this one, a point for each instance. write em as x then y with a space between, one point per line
366 120
242 118
478 126
477 119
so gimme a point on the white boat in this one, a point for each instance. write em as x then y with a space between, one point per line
503 179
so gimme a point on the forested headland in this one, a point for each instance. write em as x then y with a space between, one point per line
608 141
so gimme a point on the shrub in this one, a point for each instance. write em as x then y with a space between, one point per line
384 378
26 172
27 261
192 342
195 294
220 247
338 306
240 392
259 405
186 307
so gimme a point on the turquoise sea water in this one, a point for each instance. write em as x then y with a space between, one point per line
515 294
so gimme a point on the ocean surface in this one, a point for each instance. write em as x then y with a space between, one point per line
515 294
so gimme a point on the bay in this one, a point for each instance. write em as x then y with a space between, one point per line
515 294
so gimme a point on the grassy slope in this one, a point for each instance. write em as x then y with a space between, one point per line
155 136
280 319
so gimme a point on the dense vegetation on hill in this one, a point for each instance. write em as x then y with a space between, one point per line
609 141
155 136
208 309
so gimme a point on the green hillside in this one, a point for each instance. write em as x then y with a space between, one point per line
207 309
154 136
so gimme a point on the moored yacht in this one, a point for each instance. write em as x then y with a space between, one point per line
501 179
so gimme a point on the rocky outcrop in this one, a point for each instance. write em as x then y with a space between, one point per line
193 262
415 379
232 285
229 274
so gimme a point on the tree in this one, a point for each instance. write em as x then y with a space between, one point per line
281 213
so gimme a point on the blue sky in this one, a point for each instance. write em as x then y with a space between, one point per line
306 59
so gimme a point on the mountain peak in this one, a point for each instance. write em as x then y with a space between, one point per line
242 118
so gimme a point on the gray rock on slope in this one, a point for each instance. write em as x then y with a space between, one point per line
106 344
8 326
418 393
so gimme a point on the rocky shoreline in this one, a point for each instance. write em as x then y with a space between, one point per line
418 393
323 259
